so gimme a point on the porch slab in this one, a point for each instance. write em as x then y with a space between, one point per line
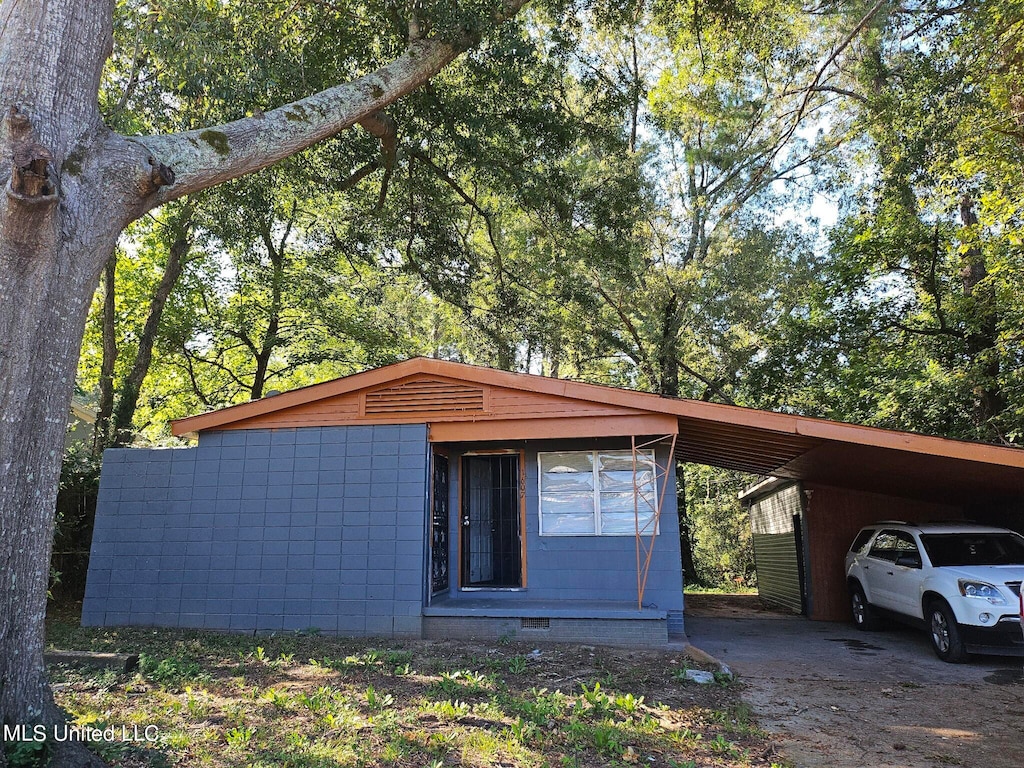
514 607
597 622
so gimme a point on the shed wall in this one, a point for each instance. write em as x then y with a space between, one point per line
265 530
776 522
833 518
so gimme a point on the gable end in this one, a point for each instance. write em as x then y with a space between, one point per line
423 396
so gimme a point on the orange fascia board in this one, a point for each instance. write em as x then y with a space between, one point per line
686 409
364 380
555 428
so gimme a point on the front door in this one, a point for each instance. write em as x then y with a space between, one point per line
490 530
439 526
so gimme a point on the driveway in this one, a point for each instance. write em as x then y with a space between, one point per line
839 697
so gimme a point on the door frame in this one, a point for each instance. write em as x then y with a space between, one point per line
521 453
434 454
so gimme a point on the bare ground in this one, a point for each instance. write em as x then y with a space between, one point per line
825 719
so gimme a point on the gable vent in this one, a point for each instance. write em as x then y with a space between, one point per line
425 396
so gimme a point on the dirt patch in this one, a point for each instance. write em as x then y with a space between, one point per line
839 698
733 606
830 724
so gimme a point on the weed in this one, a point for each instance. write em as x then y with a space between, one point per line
177 739
281 701
524 731
517 664
25 754
607 739
724 679
723 746
378 701
599 701
239 738
197 709
169 671
448 709
628 703
543 708
462 682
398 658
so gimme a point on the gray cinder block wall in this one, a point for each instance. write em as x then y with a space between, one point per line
264 530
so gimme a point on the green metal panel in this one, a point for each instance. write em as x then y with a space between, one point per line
778 569
776 547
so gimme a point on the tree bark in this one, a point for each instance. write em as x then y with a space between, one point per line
271 339
105 409
70 187
982 333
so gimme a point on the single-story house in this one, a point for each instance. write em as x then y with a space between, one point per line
436 499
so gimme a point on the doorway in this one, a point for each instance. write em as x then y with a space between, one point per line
490 540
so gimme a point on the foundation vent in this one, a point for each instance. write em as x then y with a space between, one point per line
535 623
424 396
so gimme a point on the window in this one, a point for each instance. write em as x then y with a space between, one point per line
891 544
588 493
862 539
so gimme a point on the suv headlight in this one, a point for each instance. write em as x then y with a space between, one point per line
982 590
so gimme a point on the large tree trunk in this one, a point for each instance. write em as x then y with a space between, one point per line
54 240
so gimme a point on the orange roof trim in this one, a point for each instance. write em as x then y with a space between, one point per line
462 401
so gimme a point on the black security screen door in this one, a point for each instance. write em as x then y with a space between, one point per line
439 527
490 521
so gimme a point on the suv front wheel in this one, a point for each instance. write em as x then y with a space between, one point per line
863 614
945 633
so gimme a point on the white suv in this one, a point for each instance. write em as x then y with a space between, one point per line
961 582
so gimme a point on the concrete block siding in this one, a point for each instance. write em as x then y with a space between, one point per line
264 530
568 569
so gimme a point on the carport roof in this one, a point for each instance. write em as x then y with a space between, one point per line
733 437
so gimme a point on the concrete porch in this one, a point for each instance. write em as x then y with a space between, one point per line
600 622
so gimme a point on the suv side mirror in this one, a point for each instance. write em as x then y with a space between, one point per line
909 560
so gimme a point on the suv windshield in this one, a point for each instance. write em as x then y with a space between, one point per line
974 548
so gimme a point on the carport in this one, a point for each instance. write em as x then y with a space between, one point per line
831 479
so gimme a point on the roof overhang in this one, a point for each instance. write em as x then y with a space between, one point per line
746 439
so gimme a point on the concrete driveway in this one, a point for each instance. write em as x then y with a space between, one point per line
836 697
794 647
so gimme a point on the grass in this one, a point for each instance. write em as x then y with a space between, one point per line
319 702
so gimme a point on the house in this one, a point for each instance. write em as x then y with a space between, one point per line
81 423
436 499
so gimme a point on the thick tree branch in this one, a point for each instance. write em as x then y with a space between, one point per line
203 158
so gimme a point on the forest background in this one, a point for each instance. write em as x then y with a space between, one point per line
810 207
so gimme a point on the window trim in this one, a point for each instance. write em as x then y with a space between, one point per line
648 454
